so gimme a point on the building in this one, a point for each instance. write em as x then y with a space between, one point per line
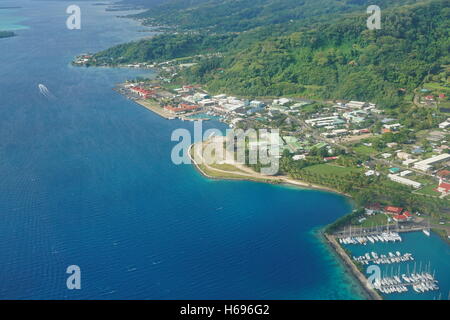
142 92
409 162
393 210
444 175
399 218
404 181
394 170
207 103
405 173
182 108
443 187
427 165
356 104
444 125
394 126
403 155
325 121
405 216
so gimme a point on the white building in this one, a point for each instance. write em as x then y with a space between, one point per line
404 181
409 161
426 165
444 124
356 104
405 173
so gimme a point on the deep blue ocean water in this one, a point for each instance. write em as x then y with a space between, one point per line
86 179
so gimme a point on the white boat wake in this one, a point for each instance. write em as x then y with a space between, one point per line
44 91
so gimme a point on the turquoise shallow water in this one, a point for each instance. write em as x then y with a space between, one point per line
432 251
10 19
86 179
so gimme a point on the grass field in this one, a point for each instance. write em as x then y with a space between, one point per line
330 169
428 190
365 150
379 219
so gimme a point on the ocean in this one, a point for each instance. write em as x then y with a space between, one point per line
86 179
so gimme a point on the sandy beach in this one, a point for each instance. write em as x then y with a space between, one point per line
242 172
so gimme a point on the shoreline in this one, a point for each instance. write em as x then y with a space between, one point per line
329 240
351 268
258 177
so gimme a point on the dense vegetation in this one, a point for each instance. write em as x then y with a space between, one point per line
241 15
164 47
300 48
341 59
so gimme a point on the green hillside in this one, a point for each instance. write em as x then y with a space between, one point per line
319 48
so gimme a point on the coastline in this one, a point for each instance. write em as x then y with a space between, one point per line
351 268
258 177
328 239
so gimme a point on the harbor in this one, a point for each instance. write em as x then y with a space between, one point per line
409 270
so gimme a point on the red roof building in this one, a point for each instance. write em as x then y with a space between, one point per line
400 217
443 187
142 92
393 210
442 96
407 214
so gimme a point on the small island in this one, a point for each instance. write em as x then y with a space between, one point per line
6 34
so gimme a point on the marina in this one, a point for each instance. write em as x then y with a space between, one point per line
408 269
365 239
373 257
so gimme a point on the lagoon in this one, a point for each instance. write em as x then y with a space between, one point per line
87 180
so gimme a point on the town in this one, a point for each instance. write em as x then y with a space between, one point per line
348 136
330 144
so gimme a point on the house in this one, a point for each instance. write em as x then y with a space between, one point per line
299 157
394 126
400 218
392 210
392 144
443 187
444 125
444 175
407 215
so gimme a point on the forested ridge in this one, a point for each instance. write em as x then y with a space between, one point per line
303 48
